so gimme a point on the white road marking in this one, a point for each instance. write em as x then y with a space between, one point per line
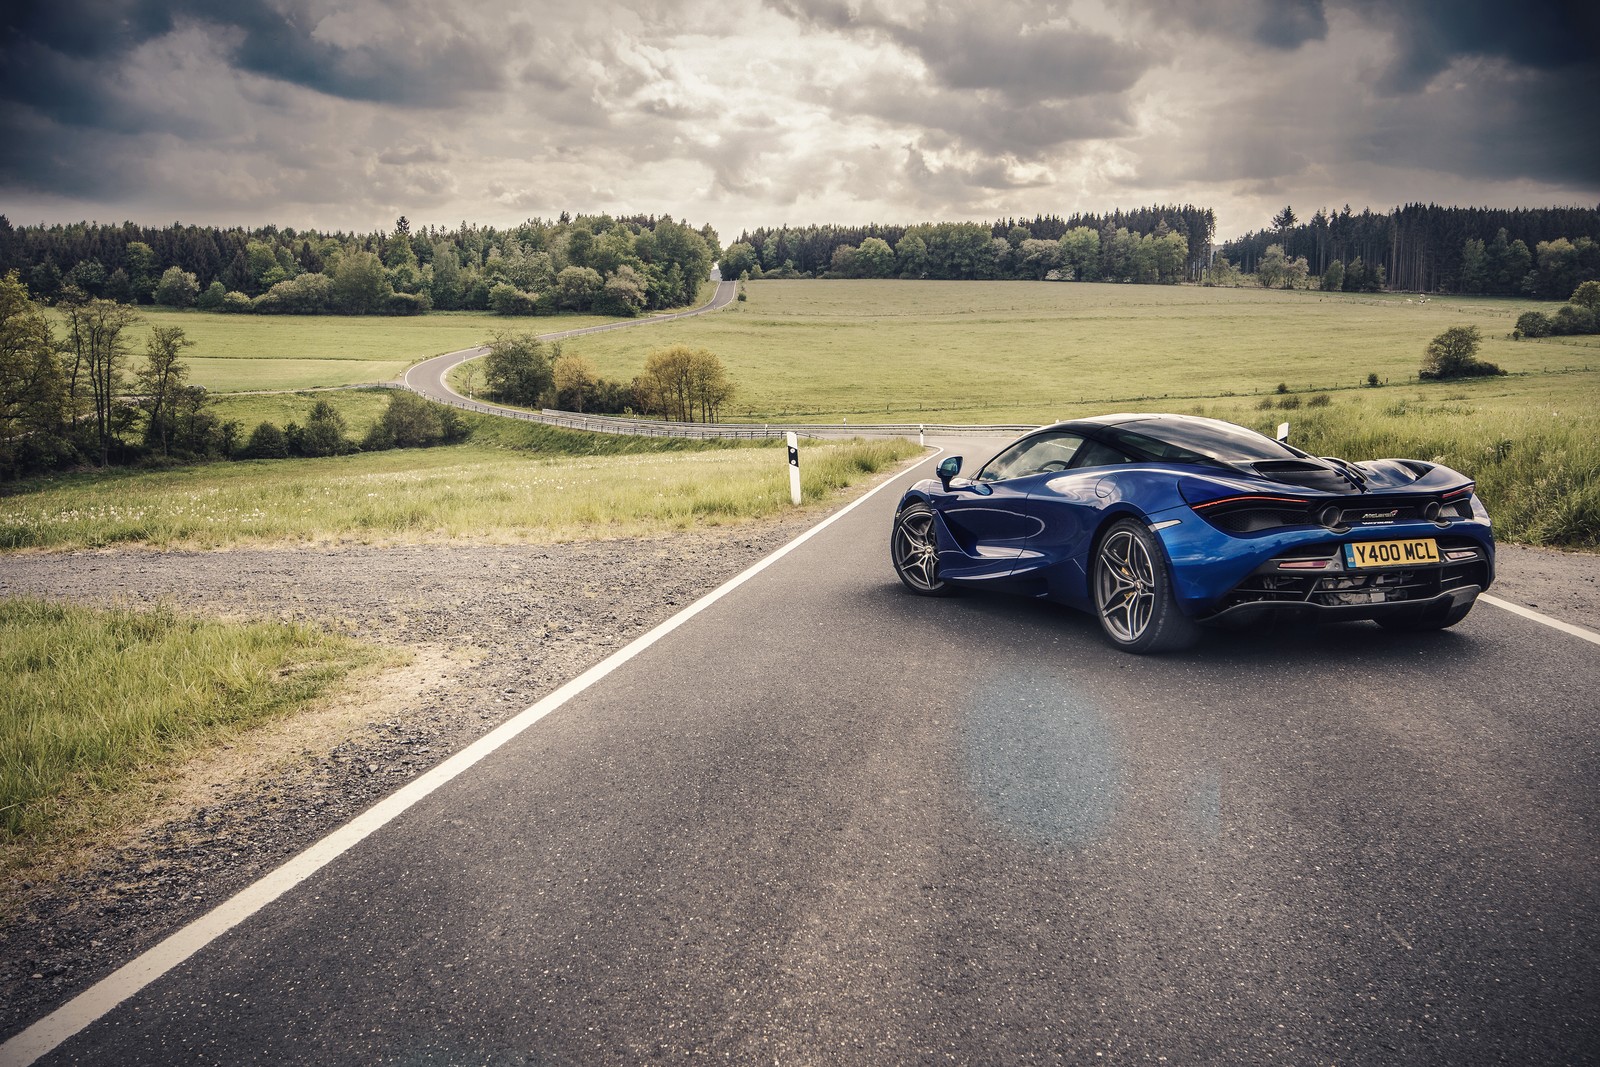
1528 613
106 994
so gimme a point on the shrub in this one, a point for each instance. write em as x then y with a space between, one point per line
235 303
309 294
1289 403
1587 295
212 298
266 441
177 288
507 299
1321 400
1532 324
1572 319
413 422
1372 380
407 304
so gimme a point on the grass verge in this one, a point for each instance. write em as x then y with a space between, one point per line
101 705
498 491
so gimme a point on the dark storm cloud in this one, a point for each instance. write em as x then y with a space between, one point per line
1431 34
65 59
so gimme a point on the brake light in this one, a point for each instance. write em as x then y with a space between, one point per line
1285 500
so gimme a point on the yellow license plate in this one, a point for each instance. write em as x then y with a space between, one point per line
1368 554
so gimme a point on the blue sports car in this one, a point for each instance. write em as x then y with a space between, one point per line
1158 523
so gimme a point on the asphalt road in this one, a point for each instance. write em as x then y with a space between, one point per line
825 821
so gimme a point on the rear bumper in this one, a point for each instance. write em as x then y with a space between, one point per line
1260 610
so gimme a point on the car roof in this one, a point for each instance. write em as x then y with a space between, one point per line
1209 438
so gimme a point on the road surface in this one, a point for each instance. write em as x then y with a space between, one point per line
823 821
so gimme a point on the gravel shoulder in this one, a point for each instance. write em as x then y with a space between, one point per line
487 630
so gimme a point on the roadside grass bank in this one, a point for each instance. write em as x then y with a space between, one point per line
102 705
620 487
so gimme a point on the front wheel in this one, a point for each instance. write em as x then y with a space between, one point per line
1133 596
914 551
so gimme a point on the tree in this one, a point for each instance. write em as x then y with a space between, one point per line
360 284
1080 253
1333 277
874 259
574 379
517 369
1038 258
324 432
577 288
507 299
683 384
140 260
413 422
1454 354
98 358
266 441
622 294
177 288
32 394
1587 295
739 260
1474 272
159 382
1284 220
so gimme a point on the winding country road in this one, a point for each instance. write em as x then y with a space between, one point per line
429 376
818 820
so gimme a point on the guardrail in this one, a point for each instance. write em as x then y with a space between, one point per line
616 424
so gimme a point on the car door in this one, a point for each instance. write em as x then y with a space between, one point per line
989 518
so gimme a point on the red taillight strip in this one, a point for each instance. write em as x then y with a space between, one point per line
1469 487
1237 499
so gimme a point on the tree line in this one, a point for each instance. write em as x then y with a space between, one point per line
590 263
1154 244
71 397
1543 253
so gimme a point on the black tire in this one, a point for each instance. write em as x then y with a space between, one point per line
1133 593
913 550
1435 620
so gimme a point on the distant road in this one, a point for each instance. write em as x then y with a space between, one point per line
428 377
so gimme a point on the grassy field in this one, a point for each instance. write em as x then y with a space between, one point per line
99 705
479 491
244 353
1034 352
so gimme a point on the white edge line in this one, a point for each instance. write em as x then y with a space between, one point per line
93 1003
1528 613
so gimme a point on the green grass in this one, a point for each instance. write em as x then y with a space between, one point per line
477 491
361 408
1035 351
99 705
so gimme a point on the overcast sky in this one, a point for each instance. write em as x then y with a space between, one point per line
741 113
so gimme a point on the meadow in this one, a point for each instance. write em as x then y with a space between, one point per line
1030 352
482 491
100 704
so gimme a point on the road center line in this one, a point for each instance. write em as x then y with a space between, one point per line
100 998
1539 617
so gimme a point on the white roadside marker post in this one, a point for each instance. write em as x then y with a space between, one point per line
794 467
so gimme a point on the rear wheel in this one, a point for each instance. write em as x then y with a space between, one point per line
1438 619
914 551
1133 595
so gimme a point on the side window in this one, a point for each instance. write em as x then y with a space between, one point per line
1095 454
1046 452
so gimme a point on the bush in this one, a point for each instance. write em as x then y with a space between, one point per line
1532 324
1372 380
212 298
1573 319
1587 295
1289 403
266 441
1454 354
235 303
413 422
1321 400
507 299
309 294
407 304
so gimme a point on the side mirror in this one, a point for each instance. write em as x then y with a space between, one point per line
949 468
